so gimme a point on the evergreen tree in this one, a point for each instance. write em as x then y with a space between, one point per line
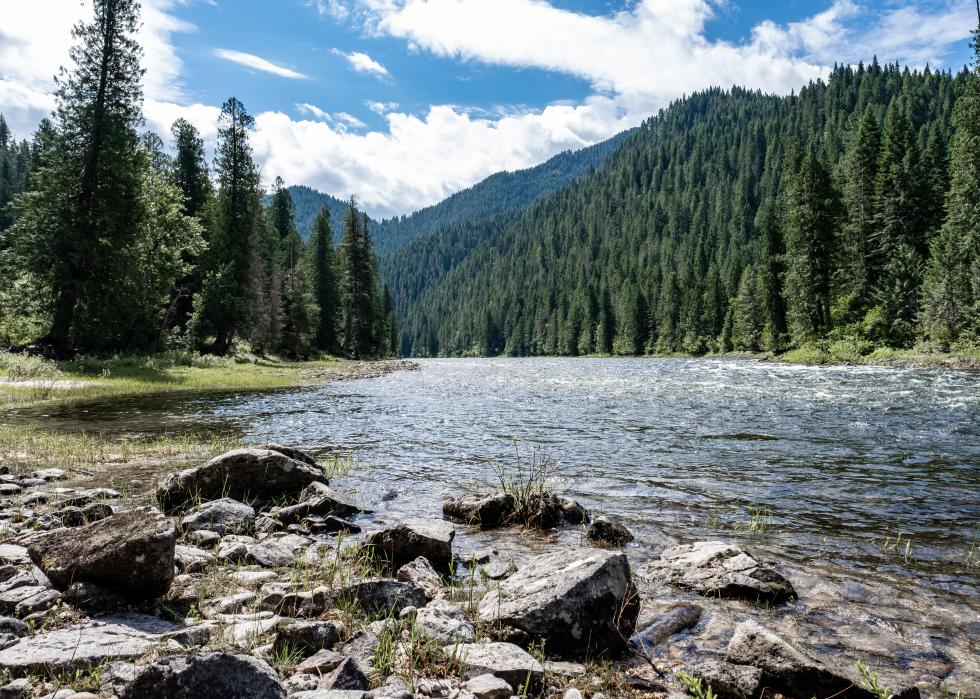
858 264
771 276
809 225
898 190
323 277
390 346
748 315
359 286
189 169
80 220
224 305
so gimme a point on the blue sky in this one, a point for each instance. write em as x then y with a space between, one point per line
402 102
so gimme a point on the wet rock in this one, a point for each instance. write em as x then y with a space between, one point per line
485 511
73 516
445 624
420 573
321 502
132 552
307 637
609 532
241 474
406 541
717 569
381 596
789 670
224 516
682 616
572 512
543 511
190 559
729 681
488 687
88 645
510 663
581 602
347 675
213 675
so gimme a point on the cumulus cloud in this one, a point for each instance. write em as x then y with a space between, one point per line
362 63
637 60
250 60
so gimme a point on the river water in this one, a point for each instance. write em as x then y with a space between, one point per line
857 475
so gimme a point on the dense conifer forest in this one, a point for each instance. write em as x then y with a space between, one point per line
847 214
112 242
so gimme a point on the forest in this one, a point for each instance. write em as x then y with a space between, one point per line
112 242
846 215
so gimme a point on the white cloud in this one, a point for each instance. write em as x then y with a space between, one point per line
381 107
340 120
250 60
334 8
363 63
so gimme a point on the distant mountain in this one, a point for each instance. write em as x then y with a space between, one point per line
498 194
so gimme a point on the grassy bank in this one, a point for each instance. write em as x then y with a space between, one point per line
33 382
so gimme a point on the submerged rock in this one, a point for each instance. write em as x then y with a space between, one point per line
403 543
131 552
581 602
213 675
718 569
224 516
242 474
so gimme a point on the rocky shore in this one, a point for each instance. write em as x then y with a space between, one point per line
250 576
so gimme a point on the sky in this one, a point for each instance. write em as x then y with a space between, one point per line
403 102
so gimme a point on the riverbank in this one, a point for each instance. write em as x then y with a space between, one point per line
34 383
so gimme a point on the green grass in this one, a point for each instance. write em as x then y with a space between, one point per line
31 380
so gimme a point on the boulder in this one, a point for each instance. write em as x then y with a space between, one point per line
445 624
380 596
510 663
320 663
293 453
131 552
485 511
307 637
88 645
318 501
422 575
347 675
572 512
410 539
717 569
212 675
790 670
224 516
243 474
190 559
608 532
729 680
581 602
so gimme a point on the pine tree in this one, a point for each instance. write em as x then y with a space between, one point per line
82 215
810 214
323 277
898 190
389 325
748 315
189 170
771 275
359 286
857 264
224 305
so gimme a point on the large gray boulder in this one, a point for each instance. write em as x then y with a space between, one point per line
131 552
791 671
581 602
410 539
717 569
380 596
89 645
245 475
224 516
213 675
318 500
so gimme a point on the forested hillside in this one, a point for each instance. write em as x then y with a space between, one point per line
734 220
500 193
307 204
